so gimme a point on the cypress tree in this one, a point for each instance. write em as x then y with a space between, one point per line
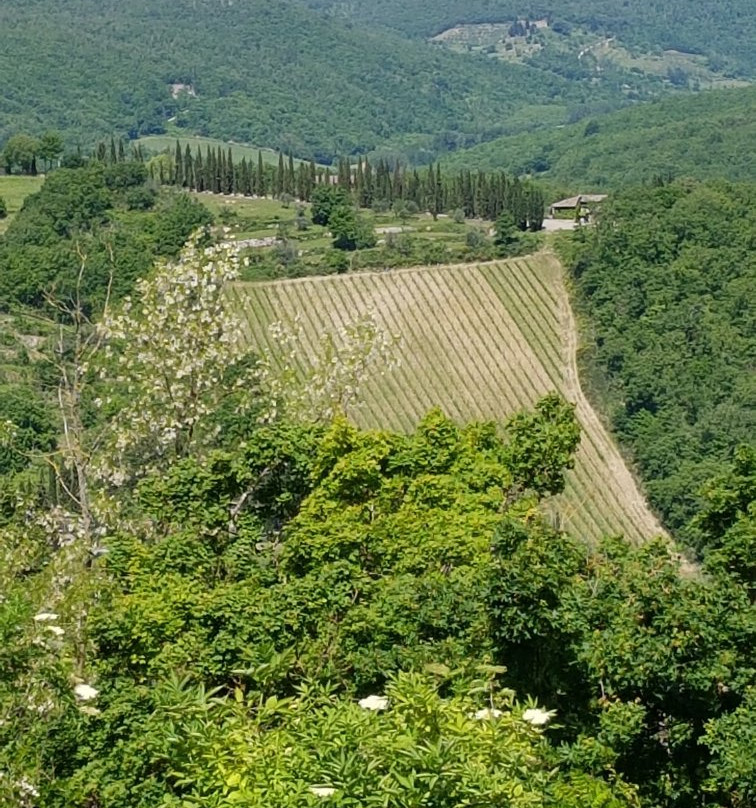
260 189
217 169
209 168
290 183
468 202
121 151
278 180
113 152
244 180
359 184
381 185
345 174
303 174
396 187
518 205
312 179
415 189
535 208
368 193
189 181
229 176
199 171
178 166
438 192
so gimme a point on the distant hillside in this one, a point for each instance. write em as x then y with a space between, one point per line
275 74
704 136
724 31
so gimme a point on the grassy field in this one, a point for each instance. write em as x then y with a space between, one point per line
481 341
14 190
159 143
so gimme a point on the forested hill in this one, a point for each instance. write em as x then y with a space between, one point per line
717 128
275 74
666 285
674 25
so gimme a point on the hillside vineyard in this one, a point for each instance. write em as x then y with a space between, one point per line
486 341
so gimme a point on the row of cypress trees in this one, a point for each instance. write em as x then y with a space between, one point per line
478 194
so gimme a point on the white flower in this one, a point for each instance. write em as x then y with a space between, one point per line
27 788
45 617
486 712
56 630
322 791
85 692
538 718
374 703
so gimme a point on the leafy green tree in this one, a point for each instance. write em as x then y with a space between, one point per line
726 524
50 148
21 151
326 199
350 230
732 740
32 426
505 231
542 445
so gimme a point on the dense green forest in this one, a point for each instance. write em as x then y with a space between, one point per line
318 85
641 23
278 75
717 128
666 284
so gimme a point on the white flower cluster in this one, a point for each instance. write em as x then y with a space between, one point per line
322 791
85 692
375 703
165 354
487 713
63 527
537 717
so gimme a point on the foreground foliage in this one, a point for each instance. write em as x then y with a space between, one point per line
250 598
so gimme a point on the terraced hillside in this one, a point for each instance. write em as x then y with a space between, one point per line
480 341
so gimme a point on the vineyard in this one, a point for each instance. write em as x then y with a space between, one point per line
480 341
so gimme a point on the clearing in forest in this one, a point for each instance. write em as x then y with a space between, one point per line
480 341
14 189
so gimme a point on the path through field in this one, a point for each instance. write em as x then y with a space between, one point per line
481 341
